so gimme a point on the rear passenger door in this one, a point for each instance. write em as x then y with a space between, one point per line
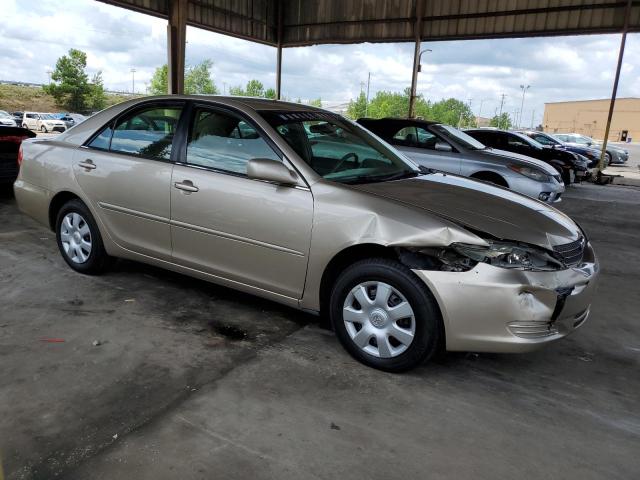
249 232
125 172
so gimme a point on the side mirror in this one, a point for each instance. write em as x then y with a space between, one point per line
443 147
271 171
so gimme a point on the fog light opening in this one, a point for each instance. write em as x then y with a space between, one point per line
544 196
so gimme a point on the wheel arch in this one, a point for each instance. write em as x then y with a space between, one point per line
343 259
57 202
490 176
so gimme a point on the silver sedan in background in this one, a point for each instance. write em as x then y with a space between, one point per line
448 149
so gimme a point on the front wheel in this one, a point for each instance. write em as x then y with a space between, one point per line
43 129
79 239
385 316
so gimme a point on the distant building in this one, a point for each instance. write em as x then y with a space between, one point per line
482 122
589 117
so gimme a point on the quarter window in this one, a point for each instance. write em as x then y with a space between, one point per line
103 140
225 142
147 132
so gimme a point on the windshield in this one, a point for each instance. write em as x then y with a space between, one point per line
544 139
529 141
338 149
455 135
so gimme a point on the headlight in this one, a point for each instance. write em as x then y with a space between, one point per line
530 172
510 255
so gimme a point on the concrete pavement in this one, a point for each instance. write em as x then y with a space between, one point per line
193 381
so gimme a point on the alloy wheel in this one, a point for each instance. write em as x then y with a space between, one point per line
75 237
379 319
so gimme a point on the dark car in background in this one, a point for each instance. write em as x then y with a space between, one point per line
570 165
592 153
17 117
10 140
614 155
72 119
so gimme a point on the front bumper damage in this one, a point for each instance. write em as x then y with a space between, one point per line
491 309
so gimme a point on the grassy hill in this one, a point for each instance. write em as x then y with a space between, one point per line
25 98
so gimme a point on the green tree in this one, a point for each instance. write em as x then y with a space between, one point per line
197 79
452 112
237 91
160 81
357 108
70 83
316 102
96 99
270 93
389 104
254 88
501 121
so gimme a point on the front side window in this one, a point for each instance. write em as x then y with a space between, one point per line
414 137
225 142
147 132
337 149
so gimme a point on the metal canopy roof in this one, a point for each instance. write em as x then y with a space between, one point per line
309 22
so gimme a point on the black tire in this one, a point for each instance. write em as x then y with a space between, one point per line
428 322
98 259
607 158
43 129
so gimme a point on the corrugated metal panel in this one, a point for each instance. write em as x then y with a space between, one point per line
251 19
307 22
157 8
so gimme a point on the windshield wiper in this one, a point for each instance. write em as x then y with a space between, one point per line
380 178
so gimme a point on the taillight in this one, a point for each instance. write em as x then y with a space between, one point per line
20 156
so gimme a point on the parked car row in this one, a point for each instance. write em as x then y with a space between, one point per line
42 122
614 155
301 206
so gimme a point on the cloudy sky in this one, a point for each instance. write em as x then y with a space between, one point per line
36 32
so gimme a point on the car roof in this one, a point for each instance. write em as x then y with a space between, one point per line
254 103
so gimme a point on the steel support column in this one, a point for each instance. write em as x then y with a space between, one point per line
176 41
417 33
612 104
279 52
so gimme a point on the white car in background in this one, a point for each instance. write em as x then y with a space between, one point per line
44 122
6 119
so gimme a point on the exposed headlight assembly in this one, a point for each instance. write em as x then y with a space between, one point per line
530 172
510 255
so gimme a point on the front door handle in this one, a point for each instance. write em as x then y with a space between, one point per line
88 164
186 185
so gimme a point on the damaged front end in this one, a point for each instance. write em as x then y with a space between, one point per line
506 296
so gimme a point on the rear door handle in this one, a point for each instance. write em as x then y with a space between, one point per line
88 164
186 185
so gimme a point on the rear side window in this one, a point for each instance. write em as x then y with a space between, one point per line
148 133
225 142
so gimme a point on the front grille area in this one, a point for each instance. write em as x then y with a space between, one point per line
571 253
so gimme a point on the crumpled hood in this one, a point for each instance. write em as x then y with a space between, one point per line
521 159
482 207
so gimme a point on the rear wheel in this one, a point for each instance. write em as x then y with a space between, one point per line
607 158
79 239
385 316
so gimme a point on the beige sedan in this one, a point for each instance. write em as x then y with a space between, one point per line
303 207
